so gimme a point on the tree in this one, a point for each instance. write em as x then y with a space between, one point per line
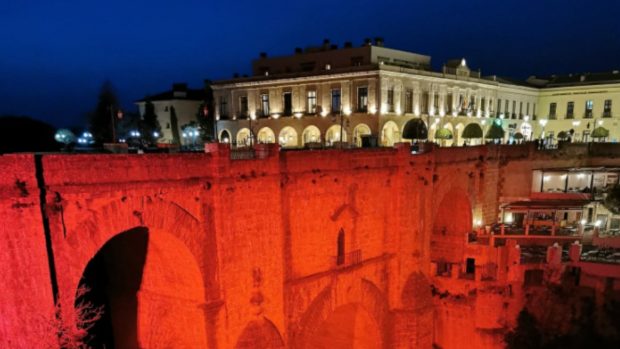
68 328
525 335
205 116
472 130
415 129
600 132
562 135
443 134
101 117
496 131
174 125
149 124
24 134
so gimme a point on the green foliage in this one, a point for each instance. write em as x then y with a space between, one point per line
205 115
415 129
612 200
105 110
526 335
495 131
600 132
443 133
149 124
174 126
472 130
562 135
518 136
205 122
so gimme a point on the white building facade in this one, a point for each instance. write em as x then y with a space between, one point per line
372 90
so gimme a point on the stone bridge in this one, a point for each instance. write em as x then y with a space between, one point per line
293 249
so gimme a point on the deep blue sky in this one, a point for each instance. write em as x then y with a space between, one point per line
54 55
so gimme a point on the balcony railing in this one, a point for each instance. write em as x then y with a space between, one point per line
347 259
242 154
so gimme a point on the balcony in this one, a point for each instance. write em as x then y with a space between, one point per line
347 259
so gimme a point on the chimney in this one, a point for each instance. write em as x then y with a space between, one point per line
325 44
263 55
367 42
333 47
298 50
379 41
348 44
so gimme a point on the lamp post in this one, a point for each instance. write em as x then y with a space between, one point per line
543 123
119 114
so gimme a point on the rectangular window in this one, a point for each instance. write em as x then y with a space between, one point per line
311 102
607 109
223 107
288 103
514 109
362 99
506 109
390 100
243 106
534 111
408 101
570 110
472 104
336 100
449 102
264 104
436 102
589 107
552 108
483 104
520 110
499 106
424 102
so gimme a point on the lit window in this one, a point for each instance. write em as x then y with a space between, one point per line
362 99
264 104
311 102
589 107
335 100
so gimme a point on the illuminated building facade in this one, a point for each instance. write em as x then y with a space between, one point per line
373 90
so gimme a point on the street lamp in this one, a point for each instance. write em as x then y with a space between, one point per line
543 123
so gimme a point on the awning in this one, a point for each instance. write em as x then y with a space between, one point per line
549 205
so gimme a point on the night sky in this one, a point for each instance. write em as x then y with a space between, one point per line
54 55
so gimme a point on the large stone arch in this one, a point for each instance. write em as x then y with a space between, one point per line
452 220
176 258
260 333
332 316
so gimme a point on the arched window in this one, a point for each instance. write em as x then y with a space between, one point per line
340 255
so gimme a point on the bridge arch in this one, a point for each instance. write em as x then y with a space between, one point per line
345 316
261 333
452 222
166 267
